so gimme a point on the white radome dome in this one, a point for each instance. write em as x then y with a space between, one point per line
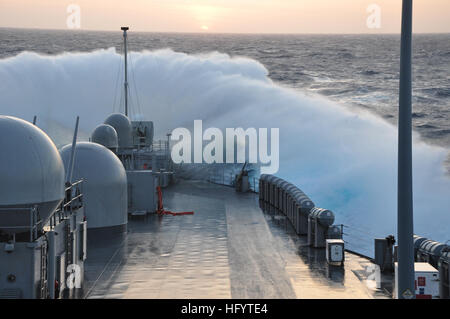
106 135
105 187
123 127
31 170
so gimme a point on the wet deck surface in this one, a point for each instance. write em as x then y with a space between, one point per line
229 248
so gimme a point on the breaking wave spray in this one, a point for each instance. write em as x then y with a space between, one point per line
344 159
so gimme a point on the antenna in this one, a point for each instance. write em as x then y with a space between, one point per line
125 52
405 227
34 120
72 154
169 134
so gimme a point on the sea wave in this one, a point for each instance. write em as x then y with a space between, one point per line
344 160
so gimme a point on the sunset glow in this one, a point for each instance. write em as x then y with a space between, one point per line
226 16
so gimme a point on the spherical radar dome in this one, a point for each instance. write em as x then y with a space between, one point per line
31 170
122 125
105 135
105 186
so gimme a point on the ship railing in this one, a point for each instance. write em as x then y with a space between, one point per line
34 219
255 186
228 179
221 179
72 202
158 149
357 239
160 145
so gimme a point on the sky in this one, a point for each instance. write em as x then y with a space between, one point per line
226 16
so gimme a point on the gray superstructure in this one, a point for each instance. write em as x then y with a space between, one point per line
43 233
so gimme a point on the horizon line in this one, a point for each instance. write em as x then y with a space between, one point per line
212 33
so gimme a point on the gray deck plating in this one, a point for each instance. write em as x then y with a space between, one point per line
228 249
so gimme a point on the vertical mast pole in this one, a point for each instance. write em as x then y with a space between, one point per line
125 84
405 193
168 145
72 153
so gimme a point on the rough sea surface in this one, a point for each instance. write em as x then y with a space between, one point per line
360 70
332 96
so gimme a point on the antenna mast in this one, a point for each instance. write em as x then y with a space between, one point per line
125 52
405 289
72 153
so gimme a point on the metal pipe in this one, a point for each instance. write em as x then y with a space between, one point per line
406 289
72 155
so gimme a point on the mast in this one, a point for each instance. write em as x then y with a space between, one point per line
72 154
125 52
405 193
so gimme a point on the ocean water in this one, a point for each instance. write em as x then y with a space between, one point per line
334 99
357 70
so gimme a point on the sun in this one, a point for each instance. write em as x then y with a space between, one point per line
205 16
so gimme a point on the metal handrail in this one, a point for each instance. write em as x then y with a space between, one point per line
32 227
61 211
160 145
220 180
35 221
74 184
72 200
8 209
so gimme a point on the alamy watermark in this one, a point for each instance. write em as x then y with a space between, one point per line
73 20
373 276
374 19
232 149
74 278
